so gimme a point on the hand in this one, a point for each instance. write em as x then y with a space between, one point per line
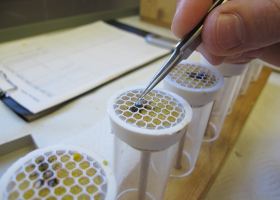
234 32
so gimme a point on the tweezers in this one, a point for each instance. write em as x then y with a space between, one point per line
184 48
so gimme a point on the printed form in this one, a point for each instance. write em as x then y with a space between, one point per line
52 68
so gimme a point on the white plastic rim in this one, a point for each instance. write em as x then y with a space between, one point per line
17 166
195 96
227 69
143 138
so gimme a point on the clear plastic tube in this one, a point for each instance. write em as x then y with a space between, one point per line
220 108
237 91
141 174
191 142
247 79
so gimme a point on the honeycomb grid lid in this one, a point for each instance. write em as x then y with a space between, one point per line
59 173
155 125
196 83
226 69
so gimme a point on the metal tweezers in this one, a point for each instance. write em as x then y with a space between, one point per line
184 48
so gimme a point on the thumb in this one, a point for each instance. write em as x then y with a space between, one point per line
242 25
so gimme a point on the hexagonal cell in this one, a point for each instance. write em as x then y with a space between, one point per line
76 189
143 111
91 189
56 166
97 180
44 192
120 101
124 107
64 158
129 103
127 114
131 121
30 167
38 184
13 196
161 116
169 107
84 165
48 174
20 176
91 172
59 191
152 114
68 181
23 185
60 152
52 159
77 157
83 180
43 167
152 103
137 116
76 173
161 105
171 119
148 97
83 197
70 165
34 175
67 197
141 124
151 126
147 119
28 194
54 182
166 124
62 173
10 186
130 94
157 109
39 159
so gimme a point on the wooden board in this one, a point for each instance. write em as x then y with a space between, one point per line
213 155
158 12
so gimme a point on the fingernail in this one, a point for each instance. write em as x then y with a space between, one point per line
230 31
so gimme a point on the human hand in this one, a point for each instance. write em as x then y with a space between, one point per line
234 32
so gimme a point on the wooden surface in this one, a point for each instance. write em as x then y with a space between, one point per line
212 155
158 12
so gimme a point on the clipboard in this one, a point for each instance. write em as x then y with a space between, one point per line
28 116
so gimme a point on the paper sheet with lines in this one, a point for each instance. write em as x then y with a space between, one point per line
52 68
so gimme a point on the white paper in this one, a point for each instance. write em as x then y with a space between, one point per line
52 68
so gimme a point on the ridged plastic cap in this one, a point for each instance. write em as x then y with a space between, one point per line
196 83
154 126
227 69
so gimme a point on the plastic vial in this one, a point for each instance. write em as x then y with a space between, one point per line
231 73
258 65
198 85
59 173
145 139
237 90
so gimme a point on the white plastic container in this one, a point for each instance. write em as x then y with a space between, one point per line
58 173
231 73
145 139
198 85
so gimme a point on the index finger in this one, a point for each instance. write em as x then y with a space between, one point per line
188 14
